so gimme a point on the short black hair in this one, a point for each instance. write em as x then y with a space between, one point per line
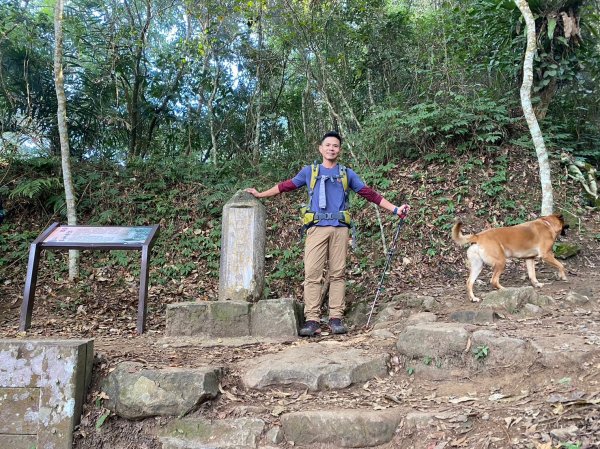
331 134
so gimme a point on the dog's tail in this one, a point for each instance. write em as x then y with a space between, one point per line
461 238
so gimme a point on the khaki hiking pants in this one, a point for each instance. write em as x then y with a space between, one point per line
325 243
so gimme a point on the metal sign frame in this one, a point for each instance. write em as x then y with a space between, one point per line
39 244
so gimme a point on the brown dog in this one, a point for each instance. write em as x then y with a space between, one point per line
525 241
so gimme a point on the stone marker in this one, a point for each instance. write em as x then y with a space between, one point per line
242 272
42 390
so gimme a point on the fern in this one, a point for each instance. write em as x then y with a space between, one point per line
35 188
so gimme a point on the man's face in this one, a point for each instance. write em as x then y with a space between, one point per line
330 149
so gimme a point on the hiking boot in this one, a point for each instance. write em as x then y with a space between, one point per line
336 326
310 329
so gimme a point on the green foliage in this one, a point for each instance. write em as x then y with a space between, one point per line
35 188
466 122
495 185
481 352
570 445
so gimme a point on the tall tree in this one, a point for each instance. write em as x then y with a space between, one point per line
532 123
59 83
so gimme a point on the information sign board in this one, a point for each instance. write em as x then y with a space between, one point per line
90 237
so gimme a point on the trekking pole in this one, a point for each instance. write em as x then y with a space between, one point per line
388 261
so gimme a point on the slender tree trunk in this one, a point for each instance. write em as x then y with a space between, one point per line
256 143
59 84
534 127
214 149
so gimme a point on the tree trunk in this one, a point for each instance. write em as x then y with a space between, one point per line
534 127
257 123
59 84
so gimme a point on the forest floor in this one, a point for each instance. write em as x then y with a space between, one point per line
515 406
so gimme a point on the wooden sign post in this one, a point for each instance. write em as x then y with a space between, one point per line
90 237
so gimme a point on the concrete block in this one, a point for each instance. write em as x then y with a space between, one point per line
42 390
209 319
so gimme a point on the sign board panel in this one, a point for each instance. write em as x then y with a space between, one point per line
90 237
95 234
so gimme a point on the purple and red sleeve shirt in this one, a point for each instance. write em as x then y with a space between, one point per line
334 191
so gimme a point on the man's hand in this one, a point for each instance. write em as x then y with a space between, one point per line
252 191
403 210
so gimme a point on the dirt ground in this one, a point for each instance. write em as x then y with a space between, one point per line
510 407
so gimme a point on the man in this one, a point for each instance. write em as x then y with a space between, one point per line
327 222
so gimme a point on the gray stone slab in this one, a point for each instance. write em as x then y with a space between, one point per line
242 272
433 340
511 299
44 382
241 433
315 366
209 319
275 318
135 392
565 351
342 427
502 351
481 316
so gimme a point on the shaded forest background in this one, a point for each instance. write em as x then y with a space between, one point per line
174 105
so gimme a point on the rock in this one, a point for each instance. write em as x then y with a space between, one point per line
423 317
482 316
315 367
342 428
576 298
511 299
275 435
533 310
408 300
564 250
135 392
542 300
433 340
564 433
382 334
241 433
430 303
502 351
565 351
357 313
389 313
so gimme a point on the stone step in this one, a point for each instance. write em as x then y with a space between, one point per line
197 433
135 392
315 366
341 428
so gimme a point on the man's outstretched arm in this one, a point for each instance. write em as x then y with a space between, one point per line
285 186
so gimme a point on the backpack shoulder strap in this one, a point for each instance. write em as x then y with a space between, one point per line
314 173
344 176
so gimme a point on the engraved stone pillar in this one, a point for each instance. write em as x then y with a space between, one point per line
242 272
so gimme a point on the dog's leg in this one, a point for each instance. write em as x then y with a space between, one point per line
549 258
531 272
498 269
476 265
